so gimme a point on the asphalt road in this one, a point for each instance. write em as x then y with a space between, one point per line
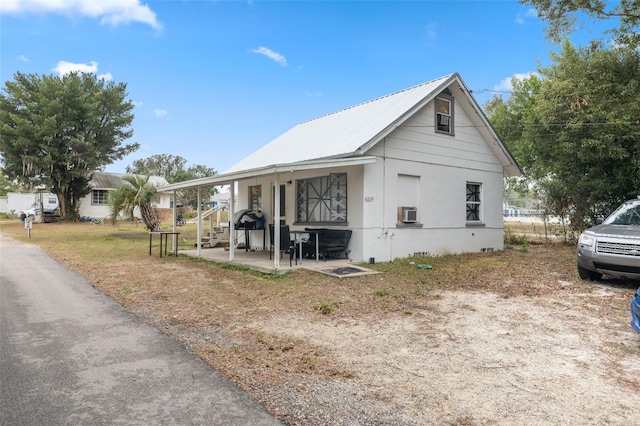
70 355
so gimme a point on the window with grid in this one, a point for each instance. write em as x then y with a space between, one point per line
473 202
100 197
322 199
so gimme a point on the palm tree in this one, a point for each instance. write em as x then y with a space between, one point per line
136 191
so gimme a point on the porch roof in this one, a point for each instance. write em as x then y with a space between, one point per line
228 178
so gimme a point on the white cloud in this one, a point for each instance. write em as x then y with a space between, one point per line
65 67
530 13
275 56
23 58
505 84
111 12
160 112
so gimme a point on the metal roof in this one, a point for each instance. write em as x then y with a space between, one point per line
344 133
106 180
344 137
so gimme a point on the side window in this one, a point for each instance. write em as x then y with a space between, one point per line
100 197
444 113
474 202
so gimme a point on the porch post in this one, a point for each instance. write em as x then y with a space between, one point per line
232 225
199 227
174 240
276 224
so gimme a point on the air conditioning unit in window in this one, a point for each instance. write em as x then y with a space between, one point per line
409 214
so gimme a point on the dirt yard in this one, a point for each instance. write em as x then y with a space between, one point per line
486 339
528 344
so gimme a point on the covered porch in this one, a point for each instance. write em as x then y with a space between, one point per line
272 177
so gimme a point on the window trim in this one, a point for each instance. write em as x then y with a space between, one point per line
445 97
478 203
95 199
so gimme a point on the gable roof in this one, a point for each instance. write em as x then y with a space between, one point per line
352 131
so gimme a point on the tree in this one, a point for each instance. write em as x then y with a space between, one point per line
172 168
57 130
136 191
7 185
578 135
197 171
165 165
562 17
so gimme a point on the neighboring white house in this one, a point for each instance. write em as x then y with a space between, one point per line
417 171
96 203
220 199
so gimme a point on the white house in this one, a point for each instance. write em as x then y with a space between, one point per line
220 199
96 203
417 171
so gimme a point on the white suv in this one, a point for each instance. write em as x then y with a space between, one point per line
612 247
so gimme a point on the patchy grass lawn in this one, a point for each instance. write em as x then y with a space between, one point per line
296 340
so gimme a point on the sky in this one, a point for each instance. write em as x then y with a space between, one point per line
215 80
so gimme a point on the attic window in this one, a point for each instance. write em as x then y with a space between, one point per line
444 114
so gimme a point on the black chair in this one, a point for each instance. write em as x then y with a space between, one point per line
286 244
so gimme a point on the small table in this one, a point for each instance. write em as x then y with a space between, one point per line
298 233
166 236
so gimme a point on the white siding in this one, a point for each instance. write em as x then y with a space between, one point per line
443 164
104 211
354 201
417 141
94 211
